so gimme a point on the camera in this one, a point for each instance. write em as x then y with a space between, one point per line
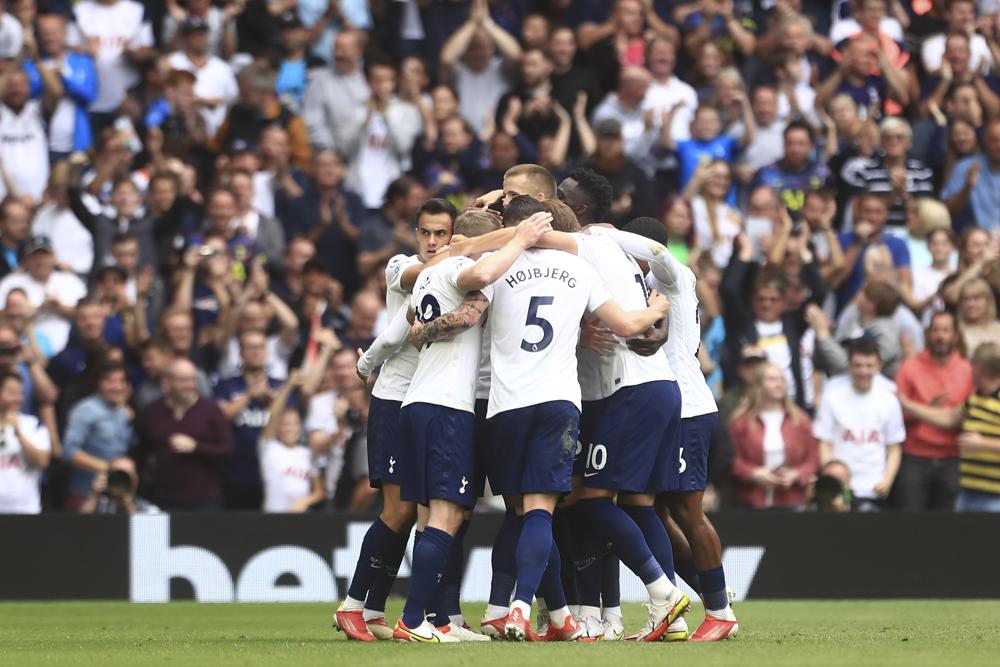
119 484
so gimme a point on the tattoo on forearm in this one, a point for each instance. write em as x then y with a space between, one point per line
452 323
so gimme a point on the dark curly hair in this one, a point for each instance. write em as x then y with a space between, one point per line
599 188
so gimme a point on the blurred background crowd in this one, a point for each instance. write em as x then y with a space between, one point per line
199 200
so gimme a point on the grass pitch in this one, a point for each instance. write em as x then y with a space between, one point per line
772 633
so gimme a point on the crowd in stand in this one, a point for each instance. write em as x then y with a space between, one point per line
199 201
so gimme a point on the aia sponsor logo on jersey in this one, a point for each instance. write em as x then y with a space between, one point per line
861 437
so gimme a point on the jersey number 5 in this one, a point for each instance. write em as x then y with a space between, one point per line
534 320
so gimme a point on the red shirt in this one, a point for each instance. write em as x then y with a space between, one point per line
922 379
801 453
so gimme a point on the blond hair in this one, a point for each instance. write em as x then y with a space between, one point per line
753 401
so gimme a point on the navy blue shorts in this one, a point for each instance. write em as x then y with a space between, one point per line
383 442
438 454
534 447
634 448
590 417
484 464
695 441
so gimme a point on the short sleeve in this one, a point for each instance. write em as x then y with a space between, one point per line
895 430
144 37
394 271
38 435
823 426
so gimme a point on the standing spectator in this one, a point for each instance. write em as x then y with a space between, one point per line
292 76
174 125
625 105
633 192
667 90
381 137
390 231
716 223
126 214
220 21
942 377
286 280
334 95
25 451
65 81
977 315
961 17
469 61
291 481
187 437
972 194
214 86
24 146
85 348
265 234
860 422
796 173
245 400
927 279
978 419
72 244
854 77
872 214
892 172
769 142
774 451
11 35
365 311
98 430
54 293
116 34
569 78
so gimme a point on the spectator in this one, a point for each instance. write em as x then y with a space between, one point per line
25 360
769 141
220 22
292 76
961 18
15 219
114 491
175 121
860 422
126 214
633 193
98 430
365 311
215 86
72 244
775 456
66 82
264 234
927 279
390 231
24 146
569 78
883 92
872 214
956 73
871 315
381 136
796 173
666 90
116 34
939 376
716 223
286 280
621 39
291 481
54 293
85 349
977 315
187 437
978 442
25 451
708 143
972 194
722 22
468 60
155 356
625 105
334 95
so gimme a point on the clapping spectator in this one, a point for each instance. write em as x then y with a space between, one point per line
24 145
633 191
390 231
187 438
972 193
72 244
334 95
215 85
775 457
716 223
291 480
220 22
25 451
15 227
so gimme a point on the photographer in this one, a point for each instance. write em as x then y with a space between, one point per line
24 451
114 491
98 431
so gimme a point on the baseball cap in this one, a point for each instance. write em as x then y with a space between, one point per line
193 24
37 244
752 353
242 146
609 127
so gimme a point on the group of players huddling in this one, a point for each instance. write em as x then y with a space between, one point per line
517 325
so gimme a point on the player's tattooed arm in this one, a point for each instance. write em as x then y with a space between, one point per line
450 324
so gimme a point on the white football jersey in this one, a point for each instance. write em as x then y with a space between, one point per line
624 281
588 372
394 378
447 370
683 341
683 321
485 370
535 324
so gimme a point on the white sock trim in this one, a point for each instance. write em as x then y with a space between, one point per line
352 604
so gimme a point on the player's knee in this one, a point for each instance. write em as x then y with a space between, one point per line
446 516
399 516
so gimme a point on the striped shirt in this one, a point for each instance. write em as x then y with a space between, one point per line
979 469
872 175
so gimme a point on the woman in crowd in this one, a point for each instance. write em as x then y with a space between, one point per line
977 315
775 457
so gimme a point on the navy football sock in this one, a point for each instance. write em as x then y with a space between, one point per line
562 533
688 571
550 587
430 557
618 527
656 536
504 560
381 585
588 550
713 586
611 581
451 583
533 550
378 550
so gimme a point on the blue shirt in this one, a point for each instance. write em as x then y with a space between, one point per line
244 467
984 200
792 186
900 259
691 151
98 428
290 83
